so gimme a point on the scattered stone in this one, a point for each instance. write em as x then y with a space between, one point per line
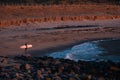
58 69
27 66
17 67
114 68
4 61
39 74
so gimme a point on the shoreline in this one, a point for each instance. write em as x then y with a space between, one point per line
49 40
14 65
38 53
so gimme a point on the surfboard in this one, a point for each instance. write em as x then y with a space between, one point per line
24 46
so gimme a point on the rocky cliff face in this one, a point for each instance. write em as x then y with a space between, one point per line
56 19
16 15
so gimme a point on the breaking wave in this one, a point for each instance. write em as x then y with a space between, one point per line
91 51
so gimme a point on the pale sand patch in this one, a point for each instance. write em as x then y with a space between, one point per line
11 38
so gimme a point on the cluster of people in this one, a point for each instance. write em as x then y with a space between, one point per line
48 68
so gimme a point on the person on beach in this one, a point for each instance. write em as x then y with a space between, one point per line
26 48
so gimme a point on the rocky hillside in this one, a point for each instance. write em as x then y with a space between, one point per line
10 15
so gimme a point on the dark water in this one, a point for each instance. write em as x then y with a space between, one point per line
92 51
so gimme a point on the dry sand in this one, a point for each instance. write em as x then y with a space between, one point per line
12 37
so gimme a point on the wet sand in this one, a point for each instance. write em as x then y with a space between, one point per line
45 41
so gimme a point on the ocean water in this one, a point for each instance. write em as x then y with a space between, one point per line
92 51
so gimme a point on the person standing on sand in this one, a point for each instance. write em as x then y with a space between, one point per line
26 47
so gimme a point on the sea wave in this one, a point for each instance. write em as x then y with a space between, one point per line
90 51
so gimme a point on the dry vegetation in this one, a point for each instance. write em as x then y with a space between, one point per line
16 15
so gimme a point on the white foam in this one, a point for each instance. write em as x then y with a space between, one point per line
88 51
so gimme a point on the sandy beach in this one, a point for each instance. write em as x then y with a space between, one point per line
50 36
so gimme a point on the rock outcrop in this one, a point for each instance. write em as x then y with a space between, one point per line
16 15
55 19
